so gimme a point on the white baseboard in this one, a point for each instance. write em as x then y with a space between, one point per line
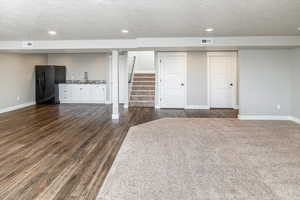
201 107
108 102
236 107
269 117
81 102
144 72
263 117
17 107
295 119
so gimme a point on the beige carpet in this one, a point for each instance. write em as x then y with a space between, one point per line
207 159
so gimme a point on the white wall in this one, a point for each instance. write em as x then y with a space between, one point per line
197 79
295 90
96 64
265 81
144 61
17 75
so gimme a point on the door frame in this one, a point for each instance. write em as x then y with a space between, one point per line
234 88
160 55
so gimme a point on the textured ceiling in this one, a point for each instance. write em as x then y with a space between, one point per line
103 19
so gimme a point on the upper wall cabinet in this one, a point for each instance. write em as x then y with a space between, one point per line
82 93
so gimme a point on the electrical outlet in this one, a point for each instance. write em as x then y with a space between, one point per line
27 44
18 98
278 106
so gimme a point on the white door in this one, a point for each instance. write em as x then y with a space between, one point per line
222 79
172 80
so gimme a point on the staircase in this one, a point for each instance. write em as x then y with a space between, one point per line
142 90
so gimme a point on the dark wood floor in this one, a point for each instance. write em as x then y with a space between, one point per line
65 151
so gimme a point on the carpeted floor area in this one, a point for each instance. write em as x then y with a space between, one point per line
207 159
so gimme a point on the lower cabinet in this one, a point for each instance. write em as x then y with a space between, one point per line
82 93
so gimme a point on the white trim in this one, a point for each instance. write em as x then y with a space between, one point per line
236 107
115 84
234 55
186 78
295 119
12 108
164 54
263 117
200 107
126 88
144 72
157 82
81 102
108 102
155 43
115 116
109 81
269 117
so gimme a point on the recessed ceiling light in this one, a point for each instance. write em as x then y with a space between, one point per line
52 32
209 29
125 31
298 28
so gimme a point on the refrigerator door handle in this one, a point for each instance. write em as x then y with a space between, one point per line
44 81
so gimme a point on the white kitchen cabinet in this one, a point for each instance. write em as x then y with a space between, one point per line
98 93
65 93
82 93
75 93
85 93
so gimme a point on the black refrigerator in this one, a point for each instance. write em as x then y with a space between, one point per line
47 79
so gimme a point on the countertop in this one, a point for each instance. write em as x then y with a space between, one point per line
85 82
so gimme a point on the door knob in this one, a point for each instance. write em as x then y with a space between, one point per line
182 84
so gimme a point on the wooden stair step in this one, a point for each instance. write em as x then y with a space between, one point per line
143 92
142 98
141 104
144 74
151 83
143 87
144 79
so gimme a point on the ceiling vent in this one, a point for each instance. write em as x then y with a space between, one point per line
206 41
27 44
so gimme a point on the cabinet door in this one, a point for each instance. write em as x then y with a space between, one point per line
68 93
75 93
98 94
85 93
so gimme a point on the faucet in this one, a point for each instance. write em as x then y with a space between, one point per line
86 77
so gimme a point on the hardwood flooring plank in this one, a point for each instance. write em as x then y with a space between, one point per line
64 152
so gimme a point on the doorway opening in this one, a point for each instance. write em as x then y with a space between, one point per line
141 78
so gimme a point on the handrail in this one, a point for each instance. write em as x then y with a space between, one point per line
132 70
